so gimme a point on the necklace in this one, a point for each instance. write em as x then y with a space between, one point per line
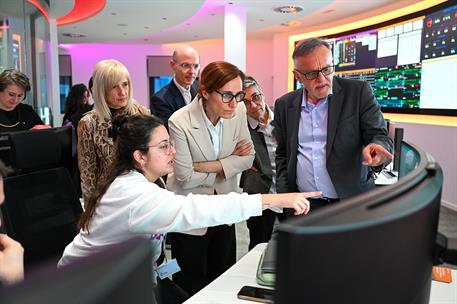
15 124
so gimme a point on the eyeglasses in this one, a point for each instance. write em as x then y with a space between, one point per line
188 66
255 98
314 74
164 147
227 97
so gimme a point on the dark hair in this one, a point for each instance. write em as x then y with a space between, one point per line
307 46
12 76
216 74
75 99
4 170
131 133
251 82
91 84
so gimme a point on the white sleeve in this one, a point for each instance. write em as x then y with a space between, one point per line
156 210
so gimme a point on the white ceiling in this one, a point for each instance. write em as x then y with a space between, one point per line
171 21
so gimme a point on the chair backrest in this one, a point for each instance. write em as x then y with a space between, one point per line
32 150
40 211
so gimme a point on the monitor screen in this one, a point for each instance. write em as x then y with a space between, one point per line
373 248
410 62
120 274
409 159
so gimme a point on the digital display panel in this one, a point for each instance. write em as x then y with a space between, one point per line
410 62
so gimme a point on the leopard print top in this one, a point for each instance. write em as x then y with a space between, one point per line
96 148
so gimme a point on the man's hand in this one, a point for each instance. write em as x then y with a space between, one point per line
375 155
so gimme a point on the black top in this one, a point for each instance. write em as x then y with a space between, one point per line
23 117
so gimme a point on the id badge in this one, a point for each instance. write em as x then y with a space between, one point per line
167 269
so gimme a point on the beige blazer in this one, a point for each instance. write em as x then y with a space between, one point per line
192 142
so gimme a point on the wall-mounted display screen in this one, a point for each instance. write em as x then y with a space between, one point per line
410 62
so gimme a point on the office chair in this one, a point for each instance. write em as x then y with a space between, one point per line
41 205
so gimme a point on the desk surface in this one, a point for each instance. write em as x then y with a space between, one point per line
224 288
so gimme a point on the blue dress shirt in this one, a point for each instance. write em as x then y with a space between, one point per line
312 172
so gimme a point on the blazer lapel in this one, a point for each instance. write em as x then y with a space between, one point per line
293 120
335 104
178 99
199 131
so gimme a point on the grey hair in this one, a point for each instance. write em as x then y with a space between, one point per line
251 82
308 45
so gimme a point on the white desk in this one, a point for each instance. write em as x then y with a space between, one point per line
224 288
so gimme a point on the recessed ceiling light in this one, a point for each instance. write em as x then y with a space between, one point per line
261 20
187 24
74 35
291 23
213 14
114 14
195 36
121 24
146 27
164 18
125 34
288 9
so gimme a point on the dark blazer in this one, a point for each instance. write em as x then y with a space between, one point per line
169 99
260 181
354 121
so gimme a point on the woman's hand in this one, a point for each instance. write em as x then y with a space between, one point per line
297 201
242 148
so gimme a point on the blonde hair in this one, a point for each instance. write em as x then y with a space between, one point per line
107 74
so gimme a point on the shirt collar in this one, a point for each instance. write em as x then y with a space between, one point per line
208 123
309 106
182 89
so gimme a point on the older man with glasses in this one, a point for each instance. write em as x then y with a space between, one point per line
182 88
331 133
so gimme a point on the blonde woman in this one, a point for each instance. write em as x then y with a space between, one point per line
113 96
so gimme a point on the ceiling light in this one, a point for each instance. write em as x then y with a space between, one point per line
74 35
291 23
288 9
121 24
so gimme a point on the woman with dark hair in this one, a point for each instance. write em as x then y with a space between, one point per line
128 203
76 105
14 115
213 146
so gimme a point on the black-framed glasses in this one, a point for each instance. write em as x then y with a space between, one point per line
165 147
227 97
314 74
188 66
255 98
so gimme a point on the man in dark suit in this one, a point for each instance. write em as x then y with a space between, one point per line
331 133
182 88
260 178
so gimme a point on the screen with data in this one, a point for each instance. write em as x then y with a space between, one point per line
410 62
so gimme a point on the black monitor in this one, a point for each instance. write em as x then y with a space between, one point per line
121 274
377 247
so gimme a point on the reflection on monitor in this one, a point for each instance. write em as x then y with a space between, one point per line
405 60
377 247
122 274
409 159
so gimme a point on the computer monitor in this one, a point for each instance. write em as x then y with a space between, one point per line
121 274
377 247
